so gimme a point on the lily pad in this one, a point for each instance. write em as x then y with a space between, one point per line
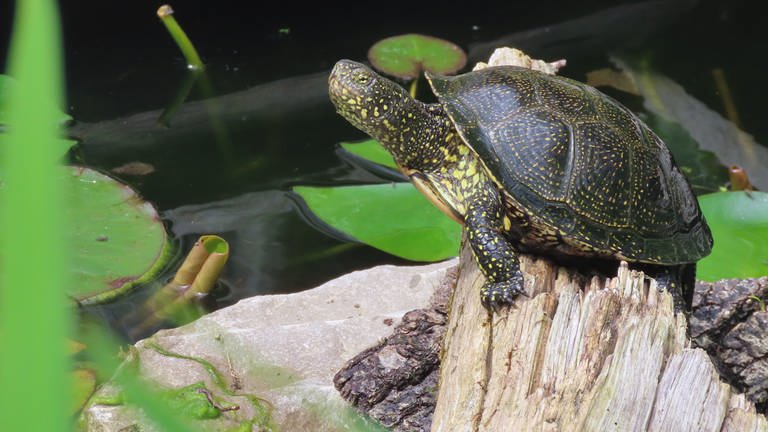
117 240
406 56
739 223
395 218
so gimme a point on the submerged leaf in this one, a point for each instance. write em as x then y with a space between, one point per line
702 168
395 218
739 223
371 157
370 150
406 56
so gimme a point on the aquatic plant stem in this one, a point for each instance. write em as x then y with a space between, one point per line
165 13
724 90
184 89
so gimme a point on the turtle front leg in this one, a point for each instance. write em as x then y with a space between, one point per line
484 223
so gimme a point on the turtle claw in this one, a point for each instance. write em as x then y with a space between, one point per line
496 295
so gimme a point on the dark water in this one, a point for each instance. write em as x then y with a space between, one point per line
227 172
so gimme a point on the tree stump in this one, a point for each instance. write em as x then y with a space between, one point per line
579 355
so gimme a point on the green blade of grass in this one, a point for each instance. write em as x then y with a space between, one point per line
35 390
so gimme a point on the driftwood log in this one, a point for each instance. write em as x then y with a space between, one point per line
581 354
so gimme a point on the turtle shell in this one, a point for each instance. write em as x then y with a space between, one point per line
579 161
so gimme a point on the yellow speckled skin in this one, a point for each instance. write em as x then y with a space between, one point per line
534 163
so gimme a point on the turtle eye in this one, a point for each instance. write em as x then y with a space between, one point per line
362 78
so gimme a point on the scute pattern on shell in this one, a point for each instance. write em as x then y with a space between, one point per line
578 160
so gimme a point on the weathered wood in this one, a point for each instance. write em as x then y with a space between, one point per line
579 355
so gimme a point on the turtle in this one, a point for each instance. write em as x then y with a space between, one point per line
535 164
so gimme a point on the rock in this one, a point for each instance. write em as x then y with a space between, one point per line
283 349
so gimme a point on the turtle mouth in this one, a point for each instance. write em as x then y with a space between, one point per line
339 95
336 89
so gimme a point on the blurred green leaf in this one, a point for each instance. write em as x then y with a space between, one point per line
84 384
370 150
406 56
6 84
395 218
739 223
35 386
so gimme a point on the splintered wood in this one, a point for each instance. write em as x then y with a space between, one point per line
578 355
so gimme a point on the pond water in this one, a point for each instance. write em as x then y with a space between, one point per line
232 152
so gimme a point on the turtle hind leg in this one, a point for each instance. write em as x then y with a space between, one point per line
679 280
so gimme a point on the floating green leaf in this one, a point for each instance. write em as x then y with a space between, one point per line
395 218
406 56
739 223
117 240
370 150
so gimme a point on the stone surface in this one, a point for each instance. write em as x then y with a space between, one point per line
284 349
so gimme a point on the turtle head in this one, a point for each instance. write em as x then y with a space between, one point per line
369 101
